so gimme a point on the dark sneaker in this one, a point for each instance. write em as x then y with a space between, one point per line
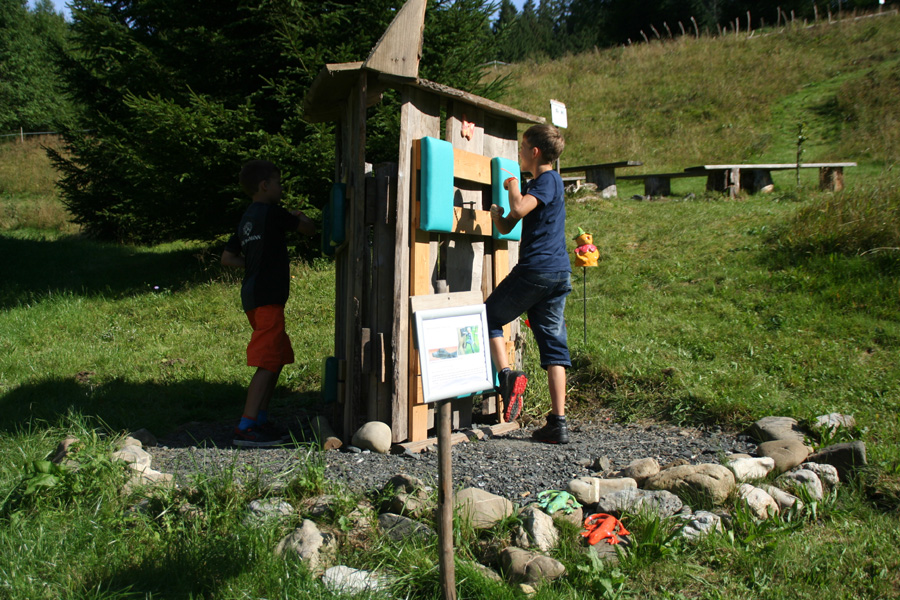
254 437
272 430
512 386
554 432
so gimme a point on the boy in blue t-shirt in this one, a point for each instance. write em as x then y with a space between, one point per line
539 283
258 246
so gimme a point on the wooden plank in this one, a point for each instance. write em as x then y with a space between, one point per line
382 319
471 167
461 437
448 300
610 165
419 116
675 175
770 166
399 49
489 106
472 222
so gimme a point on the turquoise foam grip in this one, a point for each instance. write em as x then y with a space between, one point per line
327 248
338 213
330 379
436 185
501 170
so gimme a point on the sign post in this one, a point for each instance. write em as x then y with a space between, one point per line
455 359
559 118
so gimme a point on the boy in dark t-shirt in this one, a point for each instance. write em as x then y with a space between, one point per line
259 247
539 283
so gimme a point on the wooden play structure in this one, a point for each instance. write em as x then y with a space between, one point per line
415 231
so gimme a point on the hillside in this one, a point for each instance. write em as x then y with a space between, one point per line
682 102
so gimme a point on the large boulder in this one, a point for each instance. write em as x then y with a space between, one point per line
775 428
538 528
374 436
661 502
310 545
846 458
759 501
523 566
480 508
587 490
787 454
640 470
707 481
750 468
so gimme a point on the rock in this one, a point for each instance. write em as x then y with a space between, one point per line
344 580
660 502
787 454
539 527
701 524
62 450
758 501
487 572
270 508
527 590
678 462
748 469
147 476
833 421
587 490
828 474
784 500
374 436
321 506
147 439
576 517
640 470
846 458
480 508
609 553
775 428
130 441
311 545
523 566
802 479
405 495
601 464
708 481
133 455
399 528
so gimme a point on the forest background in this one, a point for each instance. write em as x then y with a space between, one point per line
158 103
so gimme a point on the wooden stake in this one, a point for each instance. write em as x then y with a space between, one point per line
445 502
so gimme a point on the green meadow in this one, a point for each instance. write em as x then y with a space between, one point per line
703 311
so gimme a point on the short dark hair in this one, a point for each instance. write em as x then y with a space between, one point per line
547 139
255 172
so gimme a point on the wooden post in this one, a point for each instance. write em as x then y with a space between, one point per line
445 503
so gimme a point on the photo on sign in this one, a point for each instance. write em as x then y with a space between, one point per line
456 360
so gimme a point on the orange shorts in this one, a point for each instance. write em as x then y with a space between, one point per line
270 346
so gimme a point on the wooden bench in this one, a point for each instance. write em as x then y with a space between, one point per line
602 175
758 177
660 184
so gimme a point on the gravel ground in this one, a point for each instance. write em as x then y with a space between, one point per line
510 465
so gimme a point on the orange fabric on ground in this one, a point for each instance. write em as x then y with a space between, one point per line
269 347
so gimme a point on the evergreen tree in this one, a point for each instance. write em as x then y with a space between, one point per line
31 93
181 92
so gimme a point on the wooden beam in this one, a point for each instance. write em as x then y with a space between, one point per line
400 48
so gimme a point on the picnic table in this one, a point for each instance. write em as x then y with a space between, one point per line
758 177
603 175
734 178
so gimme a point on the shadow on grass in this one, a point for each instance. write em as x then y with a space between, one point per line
185 413
35 268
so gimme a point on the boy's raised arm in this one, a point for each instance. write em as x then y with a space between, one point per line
307 226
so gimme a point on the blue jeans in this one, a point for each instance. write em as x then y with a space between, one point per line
543 297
